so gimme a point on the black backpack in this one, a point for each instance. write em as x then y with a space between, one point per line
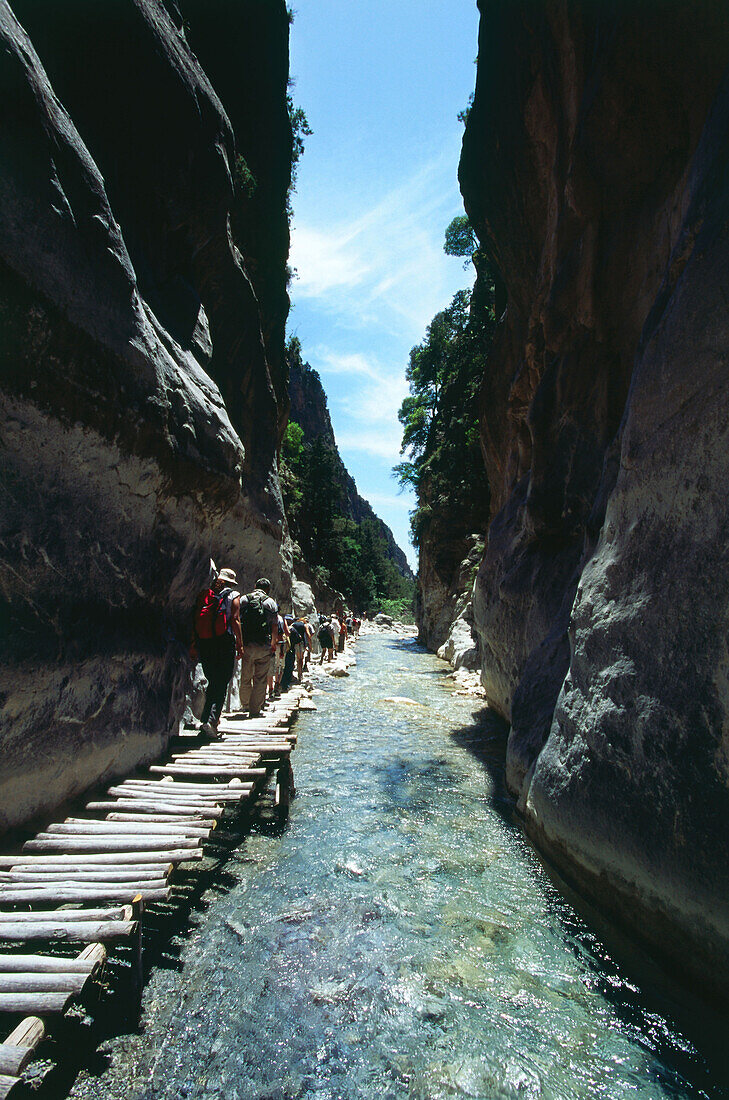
254 619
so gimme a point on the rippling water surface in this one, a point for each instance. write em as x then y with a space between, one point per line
399 939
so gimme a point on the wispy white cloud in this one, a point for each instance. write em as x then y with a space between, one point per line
369 404
386 265
382 500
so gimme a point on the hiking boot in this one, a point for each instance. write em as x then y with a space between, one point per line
210 729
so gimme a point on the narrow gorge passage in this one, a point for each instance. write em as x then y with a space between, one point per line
399 939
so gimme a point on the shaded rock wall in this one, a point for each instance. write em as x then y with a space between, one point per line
140 412
447 567
594 170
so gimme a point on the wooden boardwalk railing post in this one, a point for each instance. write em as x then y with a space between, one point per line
137 950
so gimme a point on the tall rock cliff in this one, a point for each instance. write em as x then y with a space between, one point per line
310 411
595 170
142 377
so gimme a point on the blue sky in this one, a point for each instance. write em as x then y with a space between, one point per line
381 82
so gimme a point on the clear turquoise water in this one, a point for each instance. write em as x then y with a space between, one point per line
400 939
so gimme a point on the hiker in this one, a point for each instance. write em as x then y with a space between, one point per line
342 634
218 641
326 641
275 672
288 672
259 627
309 643
300 643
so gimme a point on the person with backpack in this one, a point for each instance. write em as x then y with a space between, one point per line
326 641
259 627
342 633
300 643
217 641
275 671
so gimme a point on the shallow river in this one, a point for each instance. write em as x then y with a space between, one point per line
398 939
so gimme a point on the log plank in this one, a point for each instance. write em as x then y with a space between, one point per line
20 1046
56 894
70 984
206 769
176 823
33 1002
80 827
180 787
70 931
106 845
172 809
118 877
118 912
45 964
79 859
7 1085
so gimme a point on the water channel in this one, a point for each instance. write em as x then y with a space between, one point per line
399 939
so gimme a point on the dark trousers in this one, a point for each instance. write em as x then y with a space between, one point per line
217 656
288 672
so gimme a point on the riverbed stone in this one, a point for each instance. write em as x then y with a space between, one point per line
461 647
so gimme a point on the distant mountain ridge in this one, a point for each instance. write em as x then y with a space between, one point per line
309 409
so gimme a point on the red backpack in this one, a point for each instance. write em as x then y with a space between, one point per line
211 620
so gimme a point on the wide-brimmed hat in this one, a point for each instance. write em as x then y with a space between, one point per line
228 576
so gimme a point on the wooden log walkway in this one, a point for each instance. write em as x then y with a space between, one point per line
86 879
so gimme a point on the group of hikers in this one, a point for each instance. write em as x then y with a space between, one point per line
333 632
230 626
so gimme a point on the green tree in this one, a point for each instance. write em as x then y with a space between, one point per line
290 472
300 130
443 463
460 239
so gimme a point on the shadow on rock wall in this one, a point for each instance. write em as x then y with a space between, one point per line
595 172
140 411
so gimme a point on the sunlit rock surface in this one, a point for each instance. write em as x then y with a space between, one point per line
595 172
141 400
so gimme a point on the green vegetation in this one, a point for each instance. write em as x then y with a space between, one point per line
463 115
460 239
243 179
300 130
440 417
347 556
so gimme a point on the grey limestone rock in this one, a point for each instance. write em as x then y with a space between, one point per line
138 418
594 171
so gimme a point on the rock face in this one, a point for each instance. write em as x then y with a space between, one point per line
595 170
309 410
445 589
141 375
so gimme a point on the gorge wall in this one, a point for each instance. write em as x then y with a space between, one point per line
142 371
595 170
310 411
